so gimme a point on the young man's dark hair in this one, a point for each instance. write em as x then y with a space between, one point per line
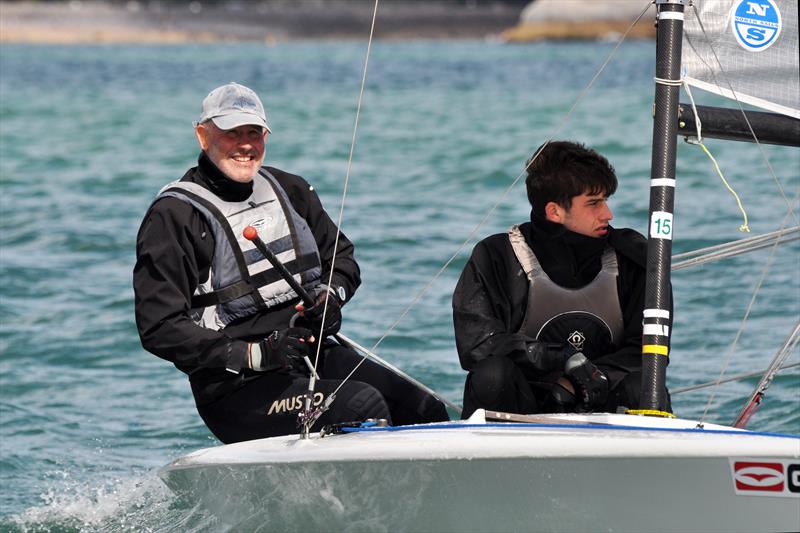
561 170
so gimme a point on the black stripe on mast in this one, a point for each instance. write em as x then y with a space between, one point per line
657 319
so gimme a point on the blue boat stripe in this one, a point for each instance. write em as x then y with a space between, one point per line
570 426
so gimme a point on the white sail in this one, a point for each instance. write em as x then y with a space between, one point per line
745 50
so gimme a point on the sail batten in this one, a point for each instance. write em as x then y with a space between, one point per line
745 50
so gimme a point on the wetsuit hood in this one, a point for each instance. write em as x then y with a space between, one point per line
570 259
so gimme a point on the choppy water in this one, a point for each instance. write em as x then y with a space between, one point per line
89 134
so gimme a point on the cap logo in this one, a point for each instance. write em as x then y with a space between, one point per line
244 103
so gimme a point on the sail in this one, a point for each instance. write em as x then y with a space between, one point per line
746 50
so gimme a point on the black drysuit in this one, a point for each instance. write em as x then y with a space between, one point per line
174 250
490 301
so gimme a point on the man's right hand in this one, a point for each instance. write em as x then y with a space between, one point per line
282 349
591 385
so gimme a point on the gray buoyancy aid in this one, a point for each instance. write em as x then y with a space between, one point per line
241 280
549 302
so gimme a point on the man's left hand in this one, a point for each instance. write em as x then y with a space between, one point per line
313 315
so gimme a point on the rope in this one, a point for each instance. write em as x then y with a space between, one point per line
699 141
739 332
790 213
744 228
353 344
668 82
738 377
744 115
591 426
761 388
341 208
723 251
505 193
349 167
649 412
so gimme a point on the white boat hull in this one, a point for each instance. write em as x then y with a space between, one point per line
487 477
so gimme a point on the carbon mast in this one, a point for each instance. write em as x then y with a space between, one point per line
657 305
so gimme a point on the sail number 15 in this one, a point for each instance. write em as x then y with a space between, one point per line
661 225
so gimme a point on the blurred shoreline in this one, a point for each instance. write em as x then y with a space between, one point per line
273 21
268 21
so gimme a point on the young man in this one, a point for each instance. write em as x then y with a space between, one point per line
208 301
548 317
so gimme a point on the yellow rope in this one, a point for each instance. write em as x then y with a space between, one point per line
650 412
744 228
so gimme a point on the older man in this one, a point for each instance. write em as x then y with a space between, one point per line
208 301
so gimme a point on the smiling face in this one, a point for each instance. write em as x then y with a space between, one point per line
237 152
588 215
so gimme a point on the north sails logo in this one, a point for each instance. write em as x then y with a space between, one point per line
756 24
766 478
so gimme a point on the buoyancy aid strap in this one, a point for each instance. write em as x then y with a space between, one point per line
523 252
609 260
280 194
212 210
242 288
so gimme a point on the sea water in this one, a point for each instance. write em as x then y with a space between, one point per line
88 135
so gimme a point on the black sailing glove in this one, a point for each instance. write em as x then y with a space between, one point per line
313 316
282 349
560 400
547 356
591 385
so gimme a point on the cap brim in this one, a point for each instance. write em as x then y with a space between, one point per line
228 122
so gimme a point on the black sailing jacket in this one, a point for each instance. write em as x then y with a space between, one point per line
174 249
491 296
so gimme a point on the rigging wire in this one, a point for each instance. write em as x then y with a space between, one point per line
737 377
734 248
308 417
349 168
741 108
505 193
353 344
745 228
766 380
732 348
790 210
730 249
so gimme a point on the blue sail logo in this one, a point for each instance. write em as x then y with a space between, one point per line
756 24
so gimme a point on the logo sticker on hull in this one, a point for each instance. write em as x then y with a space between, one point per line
757 477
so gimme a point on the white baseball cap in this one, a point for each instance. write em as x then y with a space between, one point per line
233 105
